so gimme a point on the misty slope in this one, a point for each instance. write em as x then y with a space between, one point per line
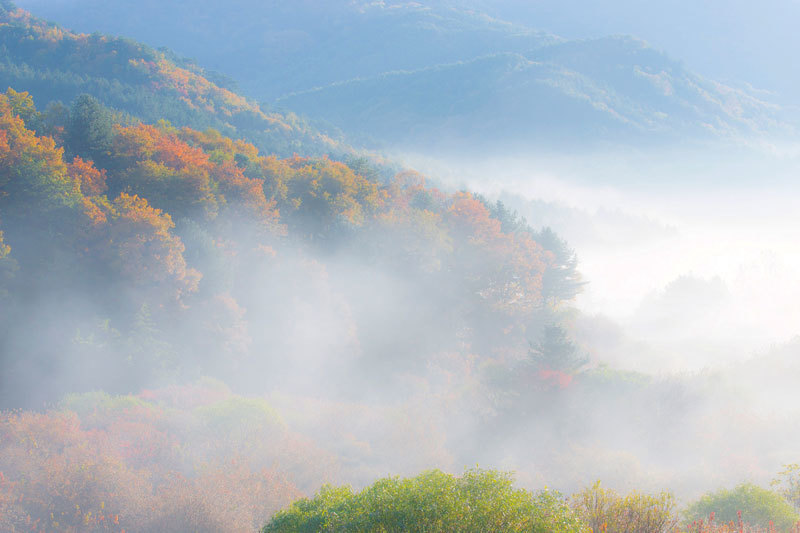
56 65
410 74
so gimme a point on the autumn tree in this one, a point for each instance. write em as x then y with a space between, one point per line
321 198
504 270
144 250
22 105
32 171
91 180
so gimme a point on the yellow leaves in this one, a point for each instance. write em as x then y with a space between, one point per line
21 103
138 211
31 167
215 144
4 248
96 211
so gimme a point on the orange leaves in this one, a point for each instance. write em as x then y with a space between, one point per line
470 215
95 211
146 251
182 179
142 142
92 181
246 196
507 268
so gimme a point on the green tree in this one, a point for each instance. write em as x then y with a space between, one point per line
555 351
759 507
89 129
561 281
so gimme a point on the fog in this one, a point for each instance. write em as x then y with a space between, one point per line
390 364
387 323
641 221
691 261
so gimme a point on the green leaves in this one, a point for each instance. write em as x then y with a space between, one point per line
478 501
758 506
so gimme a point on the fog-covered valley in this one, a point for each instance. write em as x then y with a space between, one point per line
368 239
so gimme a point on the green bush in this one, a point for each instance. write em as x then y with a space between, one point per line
478 501
759 506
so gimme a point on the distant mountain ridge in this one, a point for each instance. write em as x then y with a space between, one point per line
427 74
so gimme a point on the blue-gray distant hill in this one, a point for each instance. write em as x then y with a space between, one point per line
431 74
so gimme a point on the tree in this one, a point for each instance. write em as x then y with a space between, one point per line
32 171
556 352
89 129
92 181
788 482
561 280
22 105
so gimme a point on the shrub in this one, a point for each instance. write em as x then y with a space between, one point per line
479 501
604 510
759 507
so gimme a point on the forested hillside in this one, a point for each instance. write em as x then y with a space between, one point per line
143 229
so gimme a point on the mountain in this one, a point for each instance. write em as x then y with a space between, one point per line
423 74
57 65
565 92
739 42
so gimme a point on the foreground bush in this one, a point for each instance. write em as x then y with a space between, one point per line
758 507
479 501
604 510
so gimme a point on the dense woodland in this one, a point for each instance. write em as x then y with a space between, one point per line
208 312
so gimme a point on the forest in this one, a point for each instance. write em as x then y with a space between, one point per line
220 317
